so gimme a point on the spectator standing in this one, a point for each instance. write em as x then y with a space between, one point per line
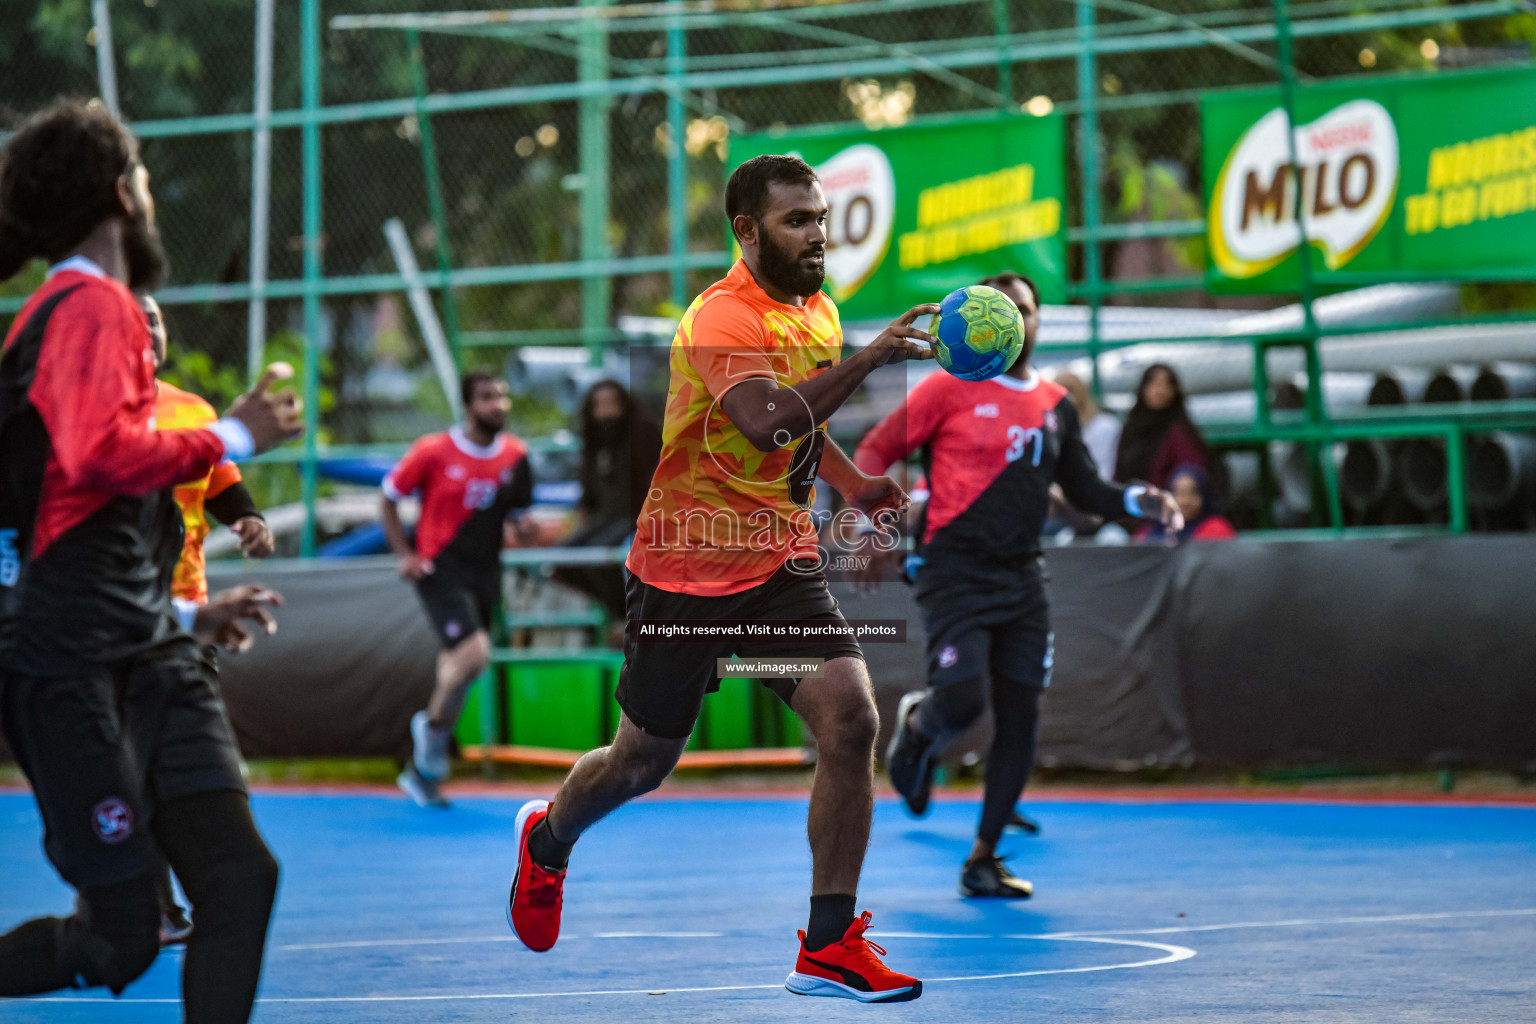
619 451
1158 435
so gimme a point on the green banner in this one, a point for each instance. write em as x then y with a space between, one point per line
1414 175
917 212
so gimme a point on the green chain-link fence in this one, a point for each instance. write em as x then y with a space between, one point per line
567 161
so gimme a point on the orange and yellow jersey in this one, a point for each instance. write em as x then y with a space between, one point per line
721 516
176 409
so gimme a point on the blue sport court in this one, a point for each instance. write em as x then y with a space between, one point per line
684 907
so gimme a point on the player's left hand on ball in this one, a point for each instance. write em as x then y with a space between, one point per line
255 535
220 621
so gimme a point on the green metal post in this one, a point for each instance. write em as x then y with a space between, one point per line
1004 65
1088 152
1317 412
309 54
596 292
1456 477
434 191
677 160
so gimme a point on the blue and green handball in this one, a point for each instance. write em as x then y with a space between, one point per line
979 332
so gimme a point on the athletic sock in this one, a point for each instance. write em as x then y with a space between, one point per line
831 914
548 852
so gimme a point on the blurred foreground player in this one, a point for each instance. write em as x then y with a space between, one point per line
106 700
726 535
991 450
470 479
220 493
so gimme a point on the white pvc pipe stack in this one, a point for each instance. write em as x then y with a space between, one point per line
1498 382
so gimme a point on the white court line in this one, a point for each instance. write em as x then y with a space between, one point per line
1173 955
1299 922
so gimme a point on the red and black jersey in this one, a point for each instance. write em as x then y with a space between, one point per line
467 491
991 450
88 532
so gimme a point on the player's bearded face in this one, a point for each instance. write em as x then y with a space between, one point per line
789 263
490 408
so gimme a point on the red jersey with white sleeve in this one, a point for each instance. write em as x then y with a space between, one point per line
89 534
991 450
467 491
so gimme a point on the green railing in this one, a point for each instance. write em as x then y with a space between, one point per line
805 44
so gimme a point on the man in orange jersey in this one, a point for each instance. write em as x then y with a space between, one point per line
221 493
726 537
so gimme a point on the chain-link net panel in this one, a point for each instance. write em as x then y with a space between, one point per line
201 186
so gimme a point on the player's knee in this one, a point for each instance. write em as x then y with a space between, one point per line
646 774
473 654
852 730
116 933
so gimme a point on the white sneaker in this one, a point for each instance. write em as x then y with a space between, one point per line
431 748
421 789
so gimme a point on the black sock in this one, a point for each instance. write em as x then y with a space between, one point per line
831 914
547 851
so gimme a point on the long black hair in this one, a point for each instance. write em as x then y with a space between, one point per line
631 443
58 180
1146 427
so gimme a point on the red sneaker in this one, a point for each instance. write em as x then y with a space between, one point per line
533 905
851 969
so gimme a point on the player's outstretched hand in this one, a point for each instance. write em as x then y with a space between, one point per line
414 567
255 535
220 620
900 340
271 417
1160 505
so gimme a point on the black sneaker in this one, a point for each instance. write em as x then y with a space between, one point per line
421 789
1018 822
909 759
991 878
175 928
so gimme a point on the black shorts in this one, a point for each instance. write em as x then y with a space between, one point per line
663 683
976 632
459 600
103 747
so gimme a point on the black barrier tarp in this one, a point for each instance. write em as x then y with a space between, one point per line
1387 653
1404 653
352 660
1113 702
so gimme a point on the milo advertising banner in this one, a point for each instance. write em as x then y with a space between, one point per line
1421 174
917 212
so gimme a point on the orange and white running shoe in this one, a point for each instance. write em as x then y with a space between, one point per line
850 969
533 905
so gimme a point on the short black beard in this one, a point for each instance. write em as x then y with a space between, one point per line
476 423
145 253
783 269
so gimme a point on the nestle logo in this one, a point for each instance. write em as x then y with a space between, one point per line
988 409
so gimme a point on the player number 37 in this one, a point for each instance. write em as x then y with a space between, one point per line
10 559
1020 439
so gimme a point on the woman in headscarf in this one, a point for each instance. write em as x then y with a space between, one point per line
1192 489
1158 434
619 451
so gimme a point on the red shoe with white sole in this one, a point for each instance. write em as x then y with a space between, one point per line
533 905
850 969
